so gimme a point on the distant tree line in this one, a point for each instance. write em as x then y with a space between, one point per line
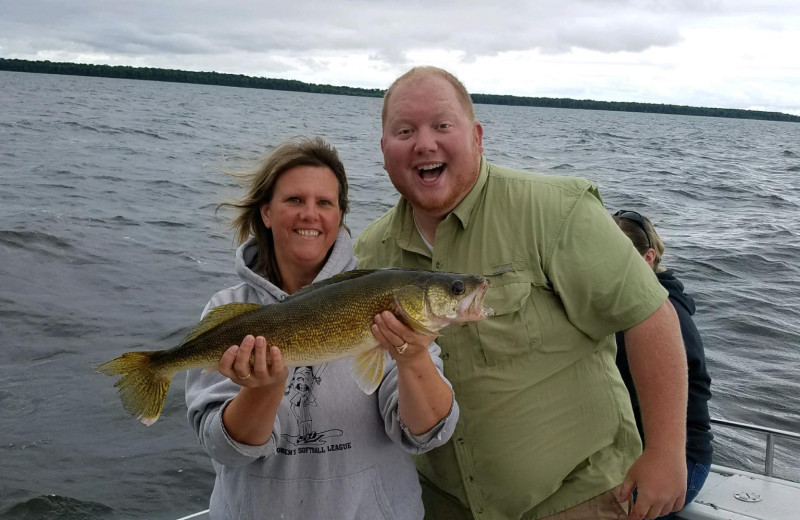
240 80
631 106
180 76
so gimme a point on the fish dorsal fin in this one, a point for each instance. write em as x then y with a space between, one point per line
367 369
341 277
219 315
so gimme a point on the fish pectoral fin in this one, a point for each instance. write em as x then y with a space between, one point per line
219 315
368 368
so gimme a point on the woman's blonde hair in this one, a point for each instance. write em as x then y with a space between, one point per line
643 238
260 185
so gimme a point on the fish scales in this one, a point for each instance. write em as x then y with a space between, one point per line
325 321
309 329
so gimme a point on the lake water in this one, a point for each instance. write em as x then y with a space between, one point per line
109 241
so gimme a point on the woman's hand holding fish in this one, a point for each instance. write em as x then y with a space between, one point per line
404 344
425 399
267 368
249 417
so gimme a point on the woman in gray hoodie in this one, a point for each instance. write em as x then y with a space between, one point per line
306 442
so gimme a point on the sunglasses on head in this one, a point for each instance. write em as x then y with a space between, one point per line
639 219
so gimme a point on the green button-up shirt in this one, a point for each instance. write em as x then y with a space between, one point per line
546 421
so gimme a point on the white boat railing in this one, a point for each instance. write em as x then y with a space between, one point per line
771 434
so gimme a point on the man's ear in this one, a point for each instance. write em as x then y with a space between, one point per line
479 136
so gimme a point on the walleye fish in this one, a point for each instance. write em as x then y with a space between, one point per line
322 322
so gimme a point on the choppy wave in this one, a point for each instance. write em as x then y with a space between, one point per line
54 506
110 240
33 240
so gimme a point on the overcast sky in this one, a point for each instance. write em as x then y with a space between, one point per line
720 53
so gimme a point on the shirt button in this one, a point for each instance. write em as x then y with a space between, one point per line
445 356
461 440
471 478
438 265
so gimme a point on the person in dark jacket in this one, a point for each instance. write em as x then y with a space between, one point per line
698 430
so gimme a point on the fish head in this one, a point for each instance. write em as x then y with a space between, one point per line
438 299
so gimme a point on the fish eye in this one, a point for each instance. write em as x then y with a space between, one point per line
458 287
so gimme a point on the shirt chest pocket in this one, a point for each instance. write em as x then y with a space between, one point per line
517 328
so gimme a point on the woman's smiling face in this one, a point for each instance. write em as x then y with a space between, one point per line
304 217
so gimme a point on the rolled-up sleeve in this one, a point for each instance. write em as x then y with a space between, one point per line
207 394
388 399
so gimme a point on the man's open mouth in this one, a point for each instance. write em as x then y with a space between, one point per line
431 172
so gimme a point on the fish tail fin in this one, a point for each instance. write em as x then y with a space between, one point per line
142 387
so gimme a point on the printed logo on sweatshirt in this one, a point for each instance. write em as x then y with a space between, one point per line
300 390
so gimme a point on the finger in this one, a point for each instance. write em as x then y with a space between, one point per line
654 511
625 489
278 365
260 364
397 327
391 327
404 333
242 364
636 511
663 511
380 336
679 503
675 506
227 359
644 507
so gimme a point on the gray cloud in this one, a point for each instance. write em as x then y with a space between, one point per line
309 40
386 29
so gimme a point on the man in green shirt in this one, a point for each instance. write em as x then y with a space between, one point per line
546 428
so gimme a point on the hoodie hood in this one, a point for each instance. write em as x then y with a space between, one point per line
675 289
341 259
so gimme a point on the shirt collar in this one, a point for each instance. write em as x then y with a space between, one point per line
402 226
464 209
403 229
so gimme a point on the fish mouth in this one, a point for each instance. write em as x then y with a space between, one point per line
472 306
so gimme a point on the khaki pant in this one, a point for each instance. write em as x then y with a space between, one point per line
602 507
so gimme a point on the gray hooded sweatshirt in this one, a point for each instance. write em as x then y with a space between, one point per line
335 452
